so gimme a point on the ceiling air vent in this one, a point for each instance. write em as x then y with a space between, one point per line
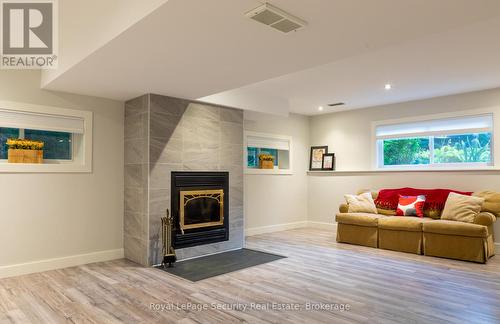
336 104
276 18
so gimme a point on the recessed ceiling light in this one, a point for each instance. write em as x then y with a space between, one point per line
388 86
320 108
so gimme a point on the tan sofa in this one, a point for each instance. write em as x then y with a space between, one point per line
429 235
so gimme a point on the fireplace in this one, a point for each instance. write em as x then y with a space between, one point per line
200 208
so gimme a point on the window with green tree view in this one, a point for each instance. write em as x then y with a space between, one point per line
456 141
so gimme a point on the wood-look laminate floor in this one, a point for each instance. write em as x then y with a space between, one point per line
378 286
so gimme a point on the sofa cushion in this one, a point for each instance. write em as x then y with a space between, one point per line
362 203
411 206
360 219
485 218
433 213
386 212
409 224
462 208
448 227
491 201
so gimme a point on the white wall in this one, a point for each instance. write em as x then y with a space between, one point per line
276 202
72 218
348 134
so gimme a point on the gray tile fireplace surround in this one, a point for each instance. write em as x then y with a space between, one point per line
164 134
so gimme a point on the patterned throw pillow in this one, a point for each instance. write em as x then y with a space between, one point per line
411 206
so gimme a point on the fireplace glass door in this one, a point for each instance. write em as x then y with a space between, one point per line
201 208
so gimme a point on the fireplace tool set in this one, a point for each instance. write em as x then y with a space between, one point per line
168 250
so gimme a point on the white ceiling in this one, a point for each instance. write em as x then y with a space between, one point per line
349 50
462 60
87 25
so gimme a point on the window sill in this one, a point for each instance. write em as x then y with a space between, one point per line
44 168
268 171
346 172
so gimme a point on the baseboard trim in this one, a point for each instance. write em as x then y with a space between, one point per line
274 228
58 263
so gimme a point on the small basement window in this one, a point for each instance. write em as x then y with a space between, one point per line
276 149
66 134
459 142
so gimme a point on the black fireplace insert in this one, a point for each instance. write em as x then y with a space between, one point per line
200 208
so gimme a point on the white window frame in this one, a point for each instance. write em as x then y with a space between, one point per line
377 147
81 145
248 170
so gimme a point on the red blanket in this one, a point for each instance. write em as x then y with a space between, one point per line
434 198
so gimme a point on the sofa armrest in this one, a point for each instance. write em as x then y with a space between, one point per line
485 218
344 208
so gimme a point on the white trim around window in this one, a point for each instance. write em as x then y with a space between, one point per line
461 122
49 118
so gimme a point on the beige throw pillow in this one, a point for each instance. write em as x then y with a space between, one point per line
362 203
461 208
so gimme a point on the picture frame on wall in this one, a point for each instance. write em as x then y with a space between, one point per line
328 162
316 158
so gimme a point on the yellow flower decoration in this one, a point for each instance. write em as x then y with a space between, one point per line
266 157
24 144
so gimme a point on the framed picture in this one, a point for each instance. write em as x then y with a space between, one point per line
329 161
316 159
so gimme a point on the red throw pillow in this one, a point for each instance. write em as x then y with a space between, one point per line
411 206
